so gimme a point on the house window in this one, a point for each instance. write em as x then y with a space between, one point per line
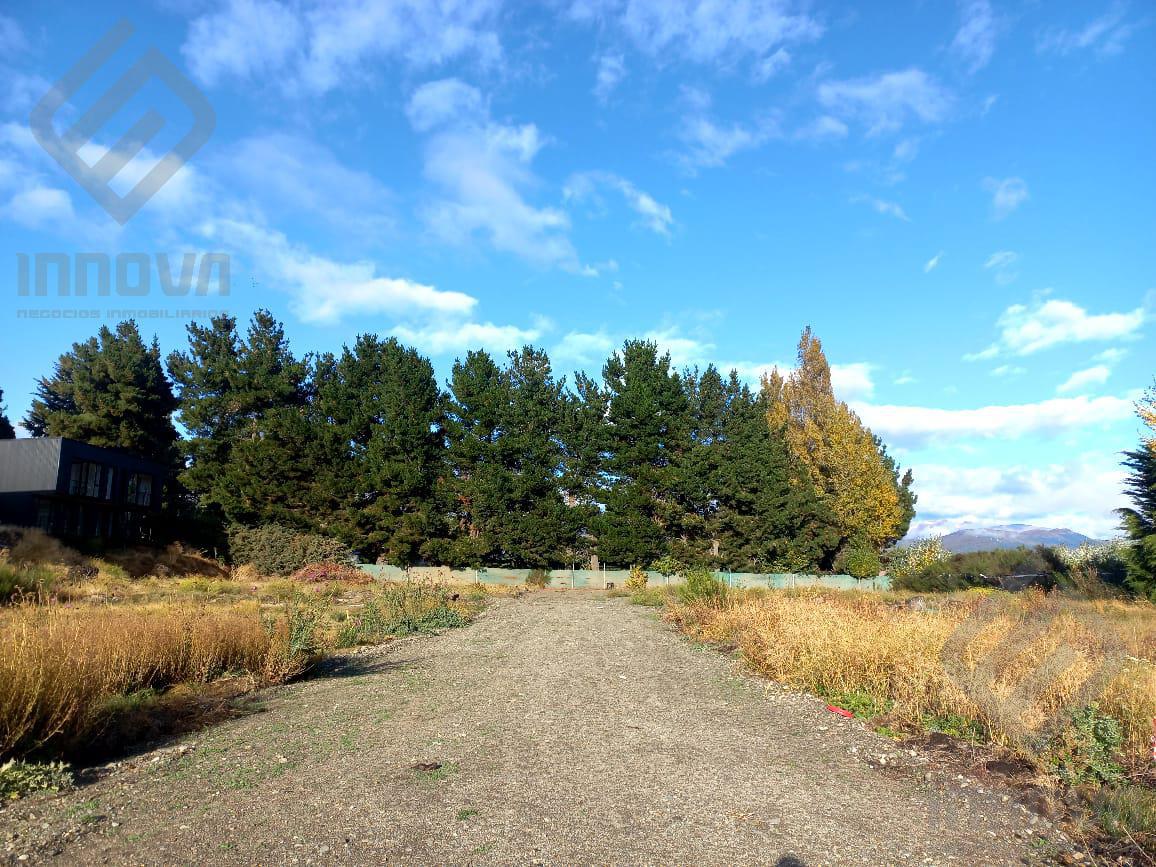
140 489
85 479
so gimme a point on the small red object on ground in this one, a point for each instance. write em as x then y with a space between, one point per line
840 711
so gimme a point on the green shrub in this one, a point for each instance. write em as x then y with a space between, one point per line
324 573
668 566
23 778
981 569
272 549
1086 751
17 582
859 562
700 585
539 578
916 557
411 608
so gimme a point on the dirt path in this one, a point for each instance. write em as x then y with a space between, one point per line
572 730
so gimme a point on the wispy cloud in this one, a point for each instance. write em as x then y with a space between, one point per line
974 41
654 215
1081 380
710 143
314 48
611 70
1106 35
882 206
885 102
1002 265
933 263
1006 195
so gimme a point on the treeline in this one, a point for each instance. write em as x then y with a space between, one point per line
509 464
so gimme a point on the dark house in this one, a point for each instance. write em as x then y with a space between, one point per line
73 489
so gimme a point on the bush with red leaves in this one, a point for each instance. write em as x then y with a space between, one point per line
323 573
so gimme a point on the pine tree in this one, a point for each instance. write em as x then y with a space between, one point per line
583 440
377 418
473 489
244 403
507 458
695 539
846 464
1140 520
7 432
110 391
770 517
647 434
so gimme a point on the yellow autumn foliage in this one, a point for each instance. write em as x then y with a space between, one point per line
838 450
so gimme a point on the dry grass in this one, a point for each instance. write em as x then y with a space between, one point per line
853 644
61 668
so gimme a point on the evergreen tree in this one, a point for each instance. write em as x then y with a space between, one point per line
506 455
7 432
474 488
244 403
1140 520
647 435
770 517
377 419
109 391
695 539
583 441
842 456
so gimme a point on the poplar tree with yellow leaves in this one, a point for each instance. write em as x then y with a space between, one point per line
849 466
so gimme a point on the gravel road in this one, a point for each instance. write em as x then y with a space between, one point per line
569 729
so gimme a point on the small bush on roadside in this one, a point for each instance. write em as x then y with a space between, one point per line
668 566
637 581
324 573
1088 748
18 779
1127 813
539 578
860 562
409 608
276 550
700 585
19 582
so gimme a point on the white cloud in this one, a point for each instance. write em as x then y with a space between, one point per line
324 290
885 102
581 347
1081 380
852 381
906 150
1105 35
823 128
1002 265
933 263
39 207
12 39
702 31
654 215
974 42
437 102
611 71
1008 370
1110 356
1080 494
444 337
243 39
1025 330
315 46
772 65
709 144
292 174
1006 195
912 426
482 171
882 206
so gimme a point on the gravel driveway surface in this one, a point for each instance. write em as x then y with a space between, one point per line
569 729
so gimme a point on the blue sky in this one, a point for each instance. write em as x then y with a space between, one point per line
957 197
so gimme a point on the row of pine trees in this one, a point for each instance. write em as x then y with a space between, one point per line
508 465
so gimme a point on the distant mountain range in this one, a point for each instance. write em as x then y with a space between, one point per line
1012 536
